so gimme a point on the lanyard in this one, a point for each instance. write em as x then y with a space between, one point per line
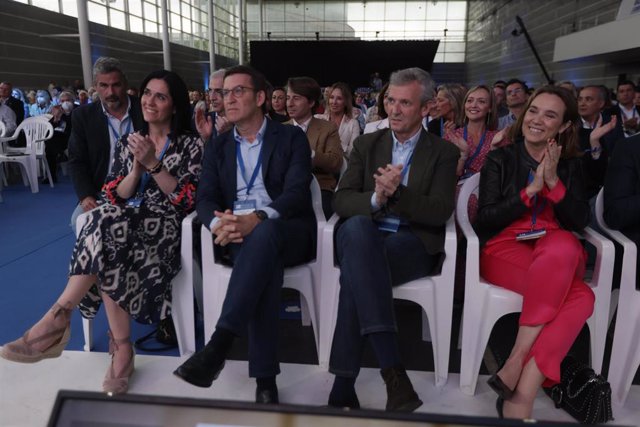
441 127
467 163
535 210
243 170
115 132
405 169
147 176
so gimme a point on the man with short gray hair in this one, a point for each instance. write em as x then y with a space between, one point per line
394 201
95 130
210 125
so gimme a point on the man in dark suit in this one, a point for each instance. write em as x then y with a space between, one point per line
303 96
254 195
622 191
395 198
15 104
96 128
627 112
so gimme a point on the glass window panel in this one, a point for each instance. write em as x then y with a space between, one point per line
150 12
314 11
186 25
355 12
116 4
334 11
395 35
437 10
174 6
46 4
274 12
374 25
135 7
135 24
393 10
454 57
294 27
456 25
97 13
376 10
436 26
118 19
416 10
23 1
186 11
439 57
151 28
454 47
414 26
174 21
457 10
70 7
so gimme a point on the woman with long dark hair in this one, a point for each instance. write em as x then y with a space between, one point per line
129 248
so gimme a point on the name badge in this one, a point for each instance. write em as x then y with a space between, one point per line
244 207
390 224
530 235
134 202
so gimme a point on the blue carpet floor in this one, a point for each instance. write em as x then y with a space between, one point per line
36 242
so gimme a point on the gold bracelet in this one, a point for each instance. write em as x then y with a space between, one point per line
156 169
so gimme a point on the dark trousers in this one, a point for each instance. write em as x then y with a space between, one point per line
371 263
252 302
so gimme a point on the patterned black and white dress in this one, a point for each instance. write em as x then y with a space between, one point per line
135 252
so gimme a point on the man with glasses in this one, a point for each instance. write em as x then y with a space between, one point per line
254 196
516 99
210 125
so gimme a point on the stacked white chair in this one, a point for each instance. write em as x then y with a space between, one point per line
304 278
182 309
434 294
36 131
625 352
485 303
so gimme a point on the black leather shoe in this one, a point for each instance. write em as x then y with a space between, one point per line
499 387
200 369
499 407
400 393
352 404
267 396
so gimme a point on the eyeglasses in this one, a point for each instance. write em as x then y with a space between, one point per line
237 91
514 91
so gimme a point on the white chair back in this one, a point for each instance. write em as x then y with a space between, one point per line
3 129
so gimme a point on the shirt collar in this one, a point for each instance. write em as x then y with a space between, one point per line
408 144
259 135
304 125
109 115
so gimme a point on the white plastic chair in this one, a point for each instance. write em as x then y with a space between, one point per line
36 131
485 303
303 278
182 310
434 294
625 352
3 128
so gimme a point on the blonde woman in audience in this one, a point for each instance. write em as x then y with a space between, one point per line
449 109
475 137
340 112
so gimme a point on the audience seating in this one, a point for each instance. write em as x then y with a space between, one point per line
485 303
625 352
182 310
434 294
304 278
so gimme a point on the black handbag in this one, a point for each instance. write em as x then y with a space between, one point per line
585 395
165 335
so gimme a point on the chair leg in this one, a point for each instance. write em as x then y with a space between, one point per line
87 329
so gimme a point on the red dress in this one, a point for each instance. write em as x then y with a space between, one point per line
548 273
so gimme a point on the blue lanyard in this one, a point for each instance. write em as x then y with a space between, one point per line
115 132
147 176
441 127
467 163
405 169
243 170
534 209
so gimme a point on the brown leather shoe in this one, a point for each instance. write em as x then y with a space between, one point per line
118 383
400 393
22 351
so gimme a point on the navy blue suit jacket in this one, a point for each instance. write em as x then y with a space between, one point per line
286 171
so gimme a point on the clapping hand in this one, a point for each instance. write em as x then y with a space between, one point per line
387 181
550 161
204 125
143 150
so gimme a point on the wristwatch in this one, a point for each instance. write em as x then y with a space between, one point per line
262 215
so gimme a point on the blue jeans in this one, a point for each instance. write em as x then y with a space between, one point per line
252 301
371 263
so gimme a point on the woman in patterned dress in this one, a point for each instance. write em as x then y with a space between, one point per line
129 248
